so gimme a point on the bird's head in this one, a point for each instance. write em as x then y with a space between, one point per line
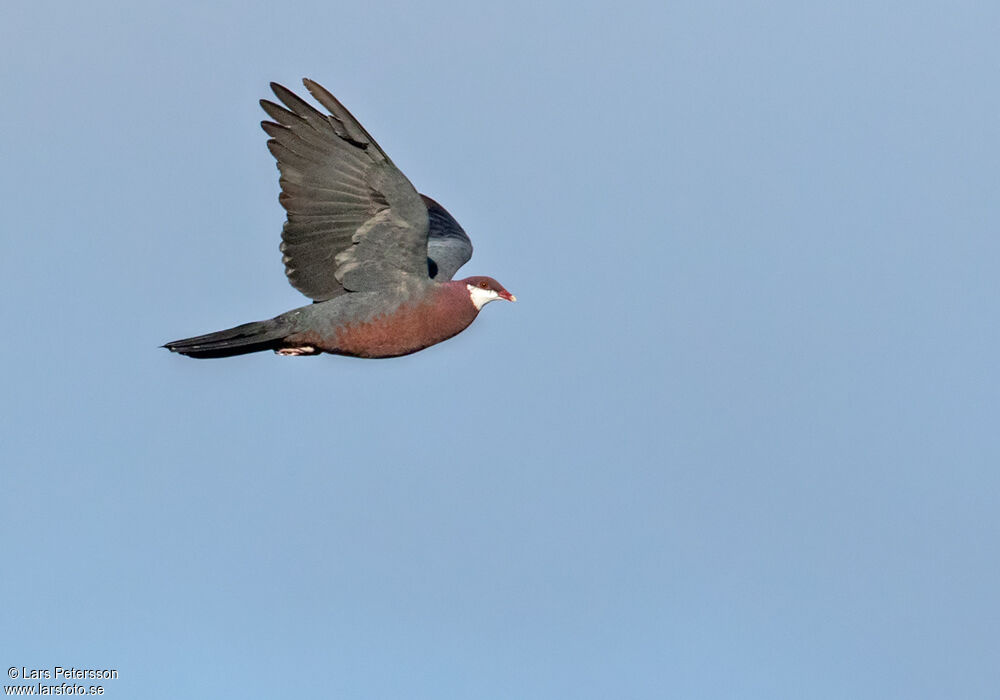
483 290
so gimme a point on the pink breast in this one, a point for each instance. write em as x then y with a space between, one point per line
410 328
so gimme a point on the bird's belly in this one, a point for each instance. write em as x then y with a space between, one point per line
406 330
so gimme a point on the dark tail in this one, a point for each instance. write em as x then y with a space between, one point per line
250 337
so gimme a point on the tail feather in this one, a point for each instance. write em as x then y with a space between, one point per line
249 337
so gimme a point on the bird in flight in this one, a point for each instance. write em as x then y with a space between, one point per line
376 257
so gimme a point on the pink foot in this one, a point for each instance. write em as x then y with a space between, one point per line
303 350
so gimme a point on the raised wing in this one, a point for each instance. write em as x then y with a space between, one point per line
448 246
354 221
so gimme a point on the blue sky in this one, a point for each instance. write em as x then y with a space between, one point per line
738 437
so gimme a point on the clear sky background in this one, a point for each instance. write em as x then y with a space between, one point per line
737 439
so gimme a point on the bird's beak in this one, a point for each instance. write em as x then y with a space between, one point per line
508 296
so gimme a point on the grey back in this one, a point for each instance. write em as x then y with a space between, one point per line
448 246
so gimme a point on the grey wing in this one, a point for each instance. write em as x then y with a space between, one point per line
448 246
354 221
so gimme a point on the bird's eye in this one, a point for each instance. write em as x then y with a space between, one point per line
484 285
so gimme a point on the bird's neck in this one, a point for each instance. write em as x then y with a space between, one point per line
455 295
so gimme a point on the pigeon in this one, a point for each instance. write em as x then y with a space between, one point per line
376 257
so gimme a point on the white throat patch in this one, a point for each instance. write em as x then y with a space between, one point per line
481 297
